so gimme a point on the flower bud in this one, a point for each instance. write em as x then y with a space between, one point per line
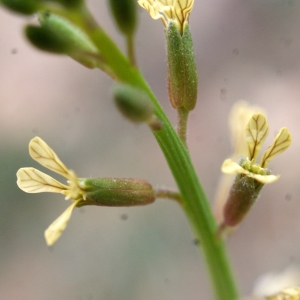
116 191
74 41
46 39
69 3
133 103
26 7
182 70
124 12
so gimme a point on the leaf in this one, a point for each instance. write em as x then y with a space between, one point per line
256 132
281 142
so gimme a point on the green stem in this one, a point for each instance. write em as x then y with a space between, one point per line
167 194
194 201
183 115
130 49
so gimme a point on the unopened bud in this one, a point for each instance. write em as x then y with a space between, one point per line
133 103
125 14
69 3
182 70
26 7
75 42
116 191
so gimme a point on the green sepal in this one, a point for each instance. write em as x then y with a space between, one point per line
125 15
242 196
26 7
116 191
182 69
133 103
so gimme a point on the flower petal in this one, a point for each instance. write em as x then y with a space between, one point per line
54 231
44 155
281 142
230 167
256 132
31 180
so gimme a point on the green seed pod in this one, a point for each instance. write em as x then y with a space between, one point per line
125 14
116 191
77 43
26 7
133 103
182 70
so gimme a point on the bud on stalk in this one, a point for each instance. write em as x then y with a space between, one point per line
182 71
116 191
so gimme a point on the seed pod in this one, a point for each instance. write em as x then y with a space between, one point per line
182 70
116 192
133 103
125 15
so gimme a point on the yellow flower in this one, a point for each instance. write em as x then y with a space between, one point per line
256 132
240 114
169 10
31 180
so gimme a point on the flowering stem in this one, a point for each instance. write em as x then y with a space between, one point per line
182 124
194 201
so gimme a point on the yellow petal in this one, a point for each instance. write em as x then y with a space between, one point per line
177 10
281 142
230 167
240 114
31 180
256 132
54 231
291 293
44 155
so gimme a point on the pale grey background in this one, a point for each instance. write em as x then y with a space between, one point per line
245 50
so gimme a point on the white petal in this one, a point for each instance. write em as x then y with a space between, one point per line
31 180
44 155
54 231
265 178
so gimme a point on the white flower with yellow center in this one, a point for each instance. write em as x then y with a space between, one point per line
256 133
31 180
177 11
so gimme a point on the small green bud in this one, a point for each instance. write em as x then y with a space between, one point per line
182 70
116 191
26 7
46 39
59 35
69 3
125 14
133 103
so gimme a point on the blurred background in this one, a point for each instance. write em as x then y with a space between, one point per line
245 50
